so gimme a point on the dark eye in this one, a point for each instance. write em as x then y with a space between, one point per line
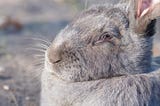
105 37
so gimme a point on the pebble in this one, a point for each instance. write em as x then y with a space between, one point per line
27 98
6 87
2 69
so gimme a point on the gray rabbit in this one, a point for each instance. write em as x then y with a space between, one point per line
103 58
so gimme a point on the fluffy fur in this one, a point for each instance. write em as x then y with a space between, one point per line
102 58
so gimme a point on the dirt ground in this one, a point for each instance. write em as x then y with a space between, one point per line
19 69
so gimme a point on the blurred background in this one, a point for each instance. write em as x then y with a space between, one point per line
25 24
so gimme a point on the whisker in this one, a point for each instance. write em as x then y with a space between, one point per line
39 56
42 40
42 45
38 63
39 48
38 70
37 75
36 49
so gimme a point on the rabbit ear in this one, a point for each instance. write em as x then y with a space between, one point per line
150 7
142 12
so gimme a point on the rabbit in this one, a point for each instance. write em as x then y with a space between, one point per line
103 58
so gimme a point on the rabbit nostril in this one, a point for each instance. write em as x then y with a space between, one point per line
54 61
57 61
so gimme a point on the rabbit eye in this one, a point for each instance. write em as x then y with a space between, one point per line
105 37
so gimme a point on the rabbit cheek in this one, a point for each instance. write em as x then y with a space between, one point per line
69 68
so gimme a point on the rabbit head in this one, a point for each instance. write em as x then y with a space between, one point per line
105 41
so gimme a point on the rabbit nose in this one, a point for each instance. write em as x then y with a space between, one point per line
54 55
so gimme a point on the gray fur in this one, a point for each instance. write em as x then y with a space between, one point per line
131 90
80 71
82 60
